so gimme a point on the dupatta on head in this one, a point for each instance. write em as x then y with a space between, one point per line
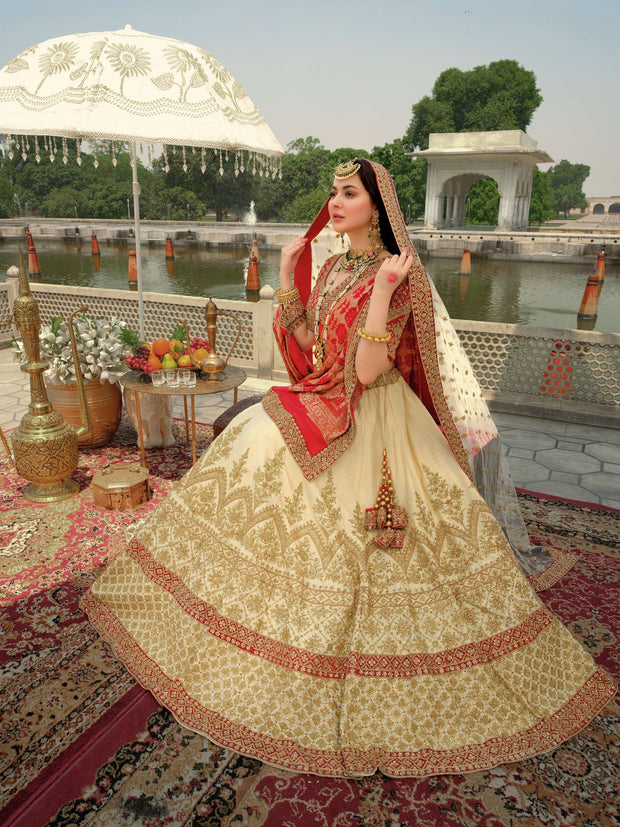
431 359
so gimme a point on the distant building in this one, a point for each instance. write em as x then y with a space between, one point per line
603 206
457 159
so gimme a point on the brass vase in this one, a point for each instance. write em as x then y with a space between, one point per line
105 404
45 447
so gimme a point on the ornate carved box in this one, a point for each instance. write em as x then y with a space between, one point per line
122 486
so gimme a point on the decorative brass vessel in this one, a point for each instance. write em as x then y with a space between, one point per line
45 447
213 364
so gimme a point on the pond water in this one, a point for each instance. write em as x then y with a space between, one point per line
539 294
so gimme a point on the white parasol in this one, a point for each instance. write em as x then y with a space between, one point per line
136 88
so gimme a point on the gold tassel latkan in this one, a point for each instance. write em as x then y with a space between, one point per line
389 519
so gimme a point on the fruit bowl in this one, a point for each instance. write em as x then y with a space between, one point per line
165 354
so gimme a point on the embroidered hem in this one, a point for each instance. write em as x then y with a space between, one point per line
545 735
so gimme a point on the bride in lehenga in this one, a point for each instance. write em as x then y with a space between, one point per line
343 582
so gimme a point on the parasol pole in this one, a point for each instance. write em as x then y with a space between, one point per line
136 223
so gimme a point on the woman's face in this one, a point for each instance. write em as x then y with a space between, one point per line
350 205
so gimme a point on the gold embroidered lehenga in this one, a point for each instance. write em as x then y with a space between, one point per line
258 608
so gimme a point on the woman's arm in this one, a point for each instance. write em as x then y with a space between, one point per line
289 256
372 358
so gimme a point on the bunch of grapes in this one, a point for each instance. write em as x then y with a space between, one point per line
198 343
138 360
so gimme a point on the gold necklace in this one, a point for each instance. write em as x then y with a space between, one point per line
357 260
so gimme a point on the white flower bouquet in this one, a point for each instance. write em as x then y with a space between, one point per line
102 346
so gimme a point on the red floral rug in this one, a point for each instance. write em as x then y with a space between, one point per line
83 744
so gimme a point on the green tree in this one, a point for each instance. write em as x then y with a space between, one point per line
307 170
95 188
7 207
540 203
566 186
502 95
409 176
483 202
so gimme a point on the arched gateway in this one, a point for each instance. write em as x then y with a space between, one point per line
457 159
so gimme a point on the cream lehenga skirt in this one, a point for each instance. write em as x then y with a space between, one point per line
257 607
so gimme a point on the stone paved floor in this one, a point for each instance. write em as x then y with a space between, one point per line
575 462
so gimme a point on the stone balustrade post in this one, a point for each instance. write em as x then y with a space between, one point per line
263 332
12 289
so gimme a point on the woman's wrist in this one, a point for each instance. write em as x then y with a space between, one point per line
377 338
286 279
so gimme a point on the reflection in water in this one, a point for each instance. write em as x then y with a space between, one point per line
535 293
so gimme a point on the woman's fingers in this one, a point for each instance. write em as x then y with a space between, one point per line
291 252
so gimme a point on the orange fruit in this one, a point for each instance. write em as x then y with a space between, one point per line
176 347
154 362
161 347
201 354
184 361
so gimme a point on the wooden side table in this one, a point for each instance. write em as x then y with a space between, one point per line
231 377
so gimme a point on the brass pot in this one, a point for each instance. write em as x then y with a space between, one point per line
105 404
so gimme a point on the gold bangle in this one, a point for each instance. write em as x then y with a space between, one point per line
287 294
382 338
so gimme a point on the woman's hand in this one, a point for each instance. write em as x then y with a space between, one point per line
371 358
289 256
393 272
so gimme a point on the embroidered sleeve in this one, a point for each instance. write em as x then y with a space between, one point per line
292 314
398 313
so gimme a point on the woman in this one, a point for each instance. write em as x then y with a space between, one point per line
326 590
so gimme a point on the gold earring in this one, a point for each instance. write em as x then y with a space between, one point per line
374 233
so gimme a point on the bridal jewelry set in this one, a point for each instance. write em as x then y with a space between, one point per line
354 262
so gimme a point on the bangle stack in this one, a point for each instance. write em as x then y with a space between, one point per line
287 294
381 338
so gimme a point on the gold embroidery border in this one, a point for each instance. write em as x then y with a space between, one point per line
562 563
543 736
334 666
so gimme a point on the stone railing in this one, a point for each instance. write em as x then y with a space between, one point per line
560 374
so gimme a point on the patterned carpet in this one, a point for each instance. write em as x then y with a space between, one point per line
83 744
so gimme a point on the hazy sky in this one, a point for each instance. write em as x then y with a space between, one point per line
349 72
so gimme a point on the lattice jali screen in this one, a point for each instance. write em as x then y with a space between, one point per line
544 366
160 315
579 366
227 330
5 311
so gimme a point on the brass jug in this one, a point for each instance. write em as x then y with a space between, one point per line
45 447
213 364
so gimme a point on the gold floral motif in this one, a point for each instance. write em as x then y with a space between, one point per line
128 60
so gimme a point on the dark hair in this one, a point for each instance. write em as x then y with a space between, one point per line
369 180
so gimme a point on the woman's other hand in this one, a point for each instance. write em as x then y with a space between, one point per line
289 256
393 272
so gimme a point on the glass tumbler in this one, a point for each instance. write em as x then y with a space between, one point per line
158 378
172 378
